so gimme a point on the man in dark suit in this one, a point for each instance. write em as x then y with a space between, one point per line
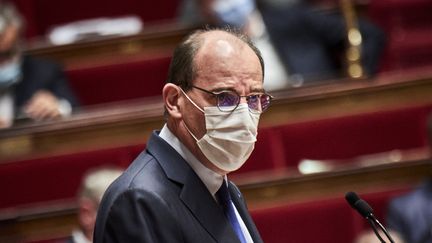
302 43
310 40
29 87
177 189
410 215
93 185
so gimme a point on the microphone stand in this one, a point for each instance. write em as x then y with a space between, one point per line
373 222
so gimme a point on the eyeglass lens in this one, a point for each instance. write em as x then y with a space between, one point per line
229 100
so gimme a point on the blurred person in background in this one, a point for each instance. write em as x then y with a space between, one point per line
299 44
241 15
30 88
92 188
311 40
411 214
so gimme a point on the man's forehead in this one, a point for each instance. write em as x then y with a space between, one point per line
223 48
221 40
220 47
224 55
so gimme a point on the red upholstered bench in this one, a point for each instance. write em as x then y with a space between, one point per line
41 15
319 221
407 25
325 221
122 81
54 178
350 136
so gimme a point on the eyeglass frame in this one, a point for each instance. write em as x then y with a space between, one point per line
216 94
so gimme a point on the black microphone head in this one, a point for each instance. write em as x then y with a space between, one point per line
363 208
359 204
352 198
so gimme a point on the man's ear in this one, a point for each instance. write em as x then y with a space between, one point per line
87 214
171 95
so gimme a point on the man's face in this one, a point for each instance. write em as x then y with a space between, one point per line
8 42
221 65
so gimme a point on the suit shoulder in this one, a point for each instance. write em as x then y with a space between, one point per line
143 175
144 183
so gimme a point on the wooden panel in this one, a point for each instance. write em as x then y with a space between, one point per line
369 175
131 122
56 221
155 40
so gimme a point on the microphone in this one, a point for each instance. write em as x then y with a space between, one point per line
365 210
359 204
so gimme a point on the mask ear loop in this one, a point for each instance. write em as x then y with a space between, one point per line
190 131
187 128
191 101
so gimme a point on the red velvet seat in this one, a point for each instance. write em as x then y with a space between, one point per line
55 178
122 81
407 25
325 221
350 136
41 15
319 221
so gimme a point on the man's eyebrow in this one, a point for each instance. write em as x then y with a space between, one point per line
255 90
258 90
223 89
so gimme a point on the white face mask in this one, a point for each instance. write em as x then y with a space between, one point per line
230 136
233 12
10 73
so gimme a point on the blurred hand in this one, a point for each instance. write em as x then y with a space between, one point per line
43 105
3 123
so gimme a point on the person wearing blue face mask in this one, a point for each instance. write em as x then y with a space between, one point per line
300 44
29 87
241 15
178 190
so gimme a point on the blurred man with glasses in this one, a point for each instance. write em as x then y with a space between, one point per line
30 88
177 190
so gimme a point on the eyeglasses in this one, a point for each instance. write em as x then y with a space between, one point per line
228 100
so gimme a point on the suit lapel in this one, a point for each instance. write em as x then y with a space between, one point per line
194 193
200 202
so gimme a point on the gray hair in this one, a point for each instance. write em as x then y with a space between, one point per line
9 16
96 181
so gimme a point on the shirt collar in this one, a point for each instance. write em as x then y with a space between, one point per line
78 237
211 179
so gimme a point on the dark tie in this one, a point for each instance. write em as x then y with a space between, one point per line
228 207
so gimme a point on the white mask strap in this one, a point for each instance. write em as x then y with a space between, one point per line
199 108
190 131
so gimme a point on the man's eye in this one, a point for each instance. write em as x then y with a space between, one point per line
227 99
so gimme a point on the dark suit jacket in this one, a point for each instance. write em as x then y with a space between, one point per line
40 74
310 42
411 214
159 198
